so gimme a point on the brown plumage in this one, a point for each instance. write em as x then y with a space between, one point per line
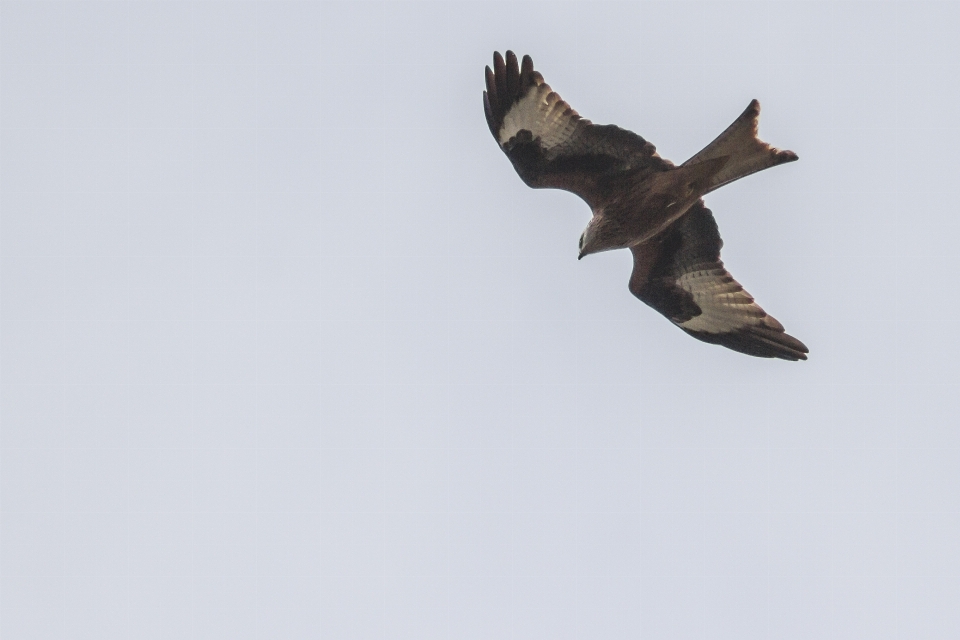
642 202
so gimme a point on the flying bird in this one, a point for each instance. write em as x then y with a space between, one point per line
643 202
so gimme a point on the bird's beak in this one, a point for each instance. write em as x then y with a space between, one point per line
580 257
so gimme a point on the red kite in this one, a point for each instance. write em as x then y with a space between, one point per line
642 202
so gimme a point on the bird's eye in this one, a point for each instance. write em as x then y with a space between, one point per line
581 242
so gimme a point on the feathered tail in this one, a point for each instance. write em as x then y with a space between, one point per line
746 152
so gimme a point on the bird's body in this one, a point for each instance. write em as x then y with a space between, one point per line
636 206
642 202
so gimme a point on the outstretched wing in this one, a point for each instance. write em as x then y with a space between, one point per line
549 144
681 276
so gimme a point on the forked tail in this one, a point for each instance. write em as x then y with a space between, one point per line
746 152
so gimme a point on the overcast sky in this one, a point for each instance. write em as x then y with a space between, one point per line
290 351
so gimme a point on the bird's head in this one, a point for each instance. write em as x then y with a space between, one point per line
594 238
583 251
587 241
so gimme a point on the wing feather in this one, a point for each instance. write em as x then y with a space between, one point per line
681 276
548 142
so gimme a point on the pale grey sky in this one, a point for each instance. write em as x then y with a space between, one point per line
289 350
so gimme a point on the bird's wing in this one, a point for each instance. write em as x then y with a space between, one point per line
681 275
549 144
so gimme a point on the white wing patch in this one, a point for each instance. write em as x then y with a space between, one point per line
544 114
725 305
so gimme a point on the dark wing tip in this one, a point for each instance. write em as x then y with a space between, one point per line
760 342
513 75
506 83
526 66
500 77
783 344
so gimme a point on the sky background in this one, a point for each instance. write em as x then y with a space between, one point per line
289 351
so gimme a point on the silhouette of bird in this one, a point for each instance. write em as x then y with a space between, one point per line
643 202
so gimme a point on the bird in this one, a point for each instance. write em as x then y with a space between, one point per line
644 203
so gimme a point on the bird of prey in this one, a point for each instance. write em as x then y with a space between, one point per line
642 202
